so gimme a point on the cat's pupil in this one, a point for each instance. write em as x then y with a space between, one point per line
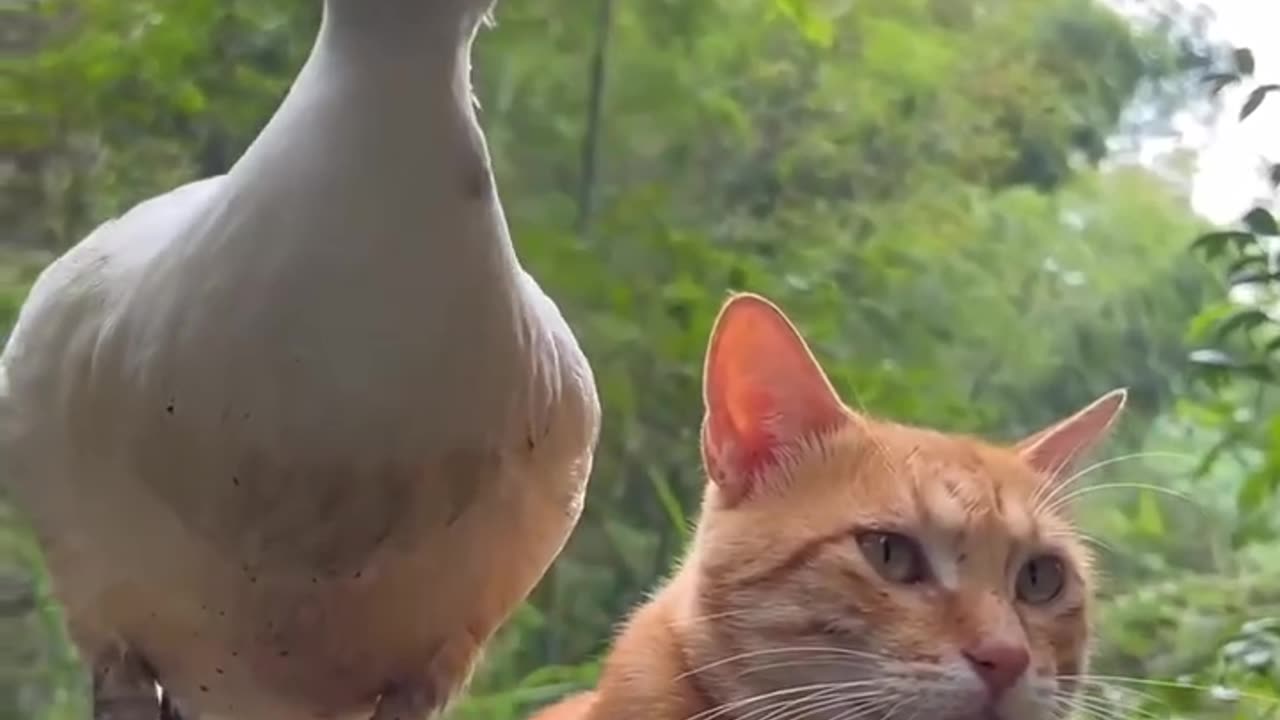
896 557
1040 580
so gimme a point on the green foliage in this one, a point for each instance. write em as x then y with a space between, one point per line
1239 335
1217 627
918 183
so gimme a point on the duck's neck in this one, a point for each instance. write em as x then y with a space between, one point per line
359 30
379 118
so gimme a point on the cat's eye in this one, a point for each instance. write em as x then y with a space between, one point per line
896 557
1040 580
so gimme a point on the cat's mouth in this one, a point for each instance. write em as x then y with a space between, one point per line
989 713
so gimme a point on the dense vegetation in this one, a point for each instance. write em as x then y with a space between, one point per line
925 185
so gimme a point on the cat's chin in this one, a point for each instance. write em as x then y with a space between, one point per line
1009 709
993 713
989 713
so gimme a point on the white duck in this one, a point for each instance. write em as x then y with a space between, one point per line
297 439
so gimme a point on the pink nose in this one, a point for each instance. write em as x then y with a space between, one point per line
998 663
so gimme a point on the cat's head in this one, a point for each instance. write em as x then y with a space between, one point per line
860 568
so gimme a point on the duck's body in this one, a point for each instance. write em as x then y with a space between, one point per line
300 437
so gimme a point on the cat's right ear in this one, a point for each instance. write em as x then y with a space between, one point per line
764 395
1055 450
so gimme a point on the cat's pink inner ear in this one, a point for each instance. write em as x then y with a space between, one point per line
763 392
1054 450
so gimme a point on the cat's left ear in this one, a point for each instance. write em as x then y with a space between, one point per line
765 395
1055 449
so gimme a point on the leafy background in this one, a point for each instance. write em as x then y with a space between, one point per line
937 190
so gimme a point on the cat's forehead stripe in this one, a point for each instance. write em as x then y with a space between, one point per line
957 504
942 506
1018 519
944 561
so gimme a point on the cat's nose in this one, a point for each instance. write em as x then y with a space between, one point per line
999 663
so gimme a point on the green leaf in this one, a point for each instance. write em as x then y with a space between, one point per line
1256 491
1220 81
1261 221
17 594
670 502
1149 520
1212 357
1214 243
1217 362
1242 321
816 29
1255 99
1244 60
1252 277
1246 263
1229 439
1203 324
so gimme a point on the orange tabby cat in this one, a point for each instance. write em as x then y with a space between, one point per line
849 568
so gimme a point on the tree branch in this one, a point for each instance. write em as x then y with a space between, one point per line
595 111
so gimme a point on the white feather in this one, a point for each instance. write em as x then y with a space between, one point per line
286 431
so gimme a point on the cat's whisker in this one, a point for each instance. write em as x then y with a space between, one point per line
1063 500
833 697
894 709
776 710
1123 692
1060 711
724 708
822 662
817 695
1113 682
779 709
842 652
1051 484
1095 706
1049 491
696 619
803 706
886 709
915 714
1051 500
868 698
1126 703
857 685
1073 712
850 652
1088 538
1110 707
1074 707
860 709
1125 458
859 703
